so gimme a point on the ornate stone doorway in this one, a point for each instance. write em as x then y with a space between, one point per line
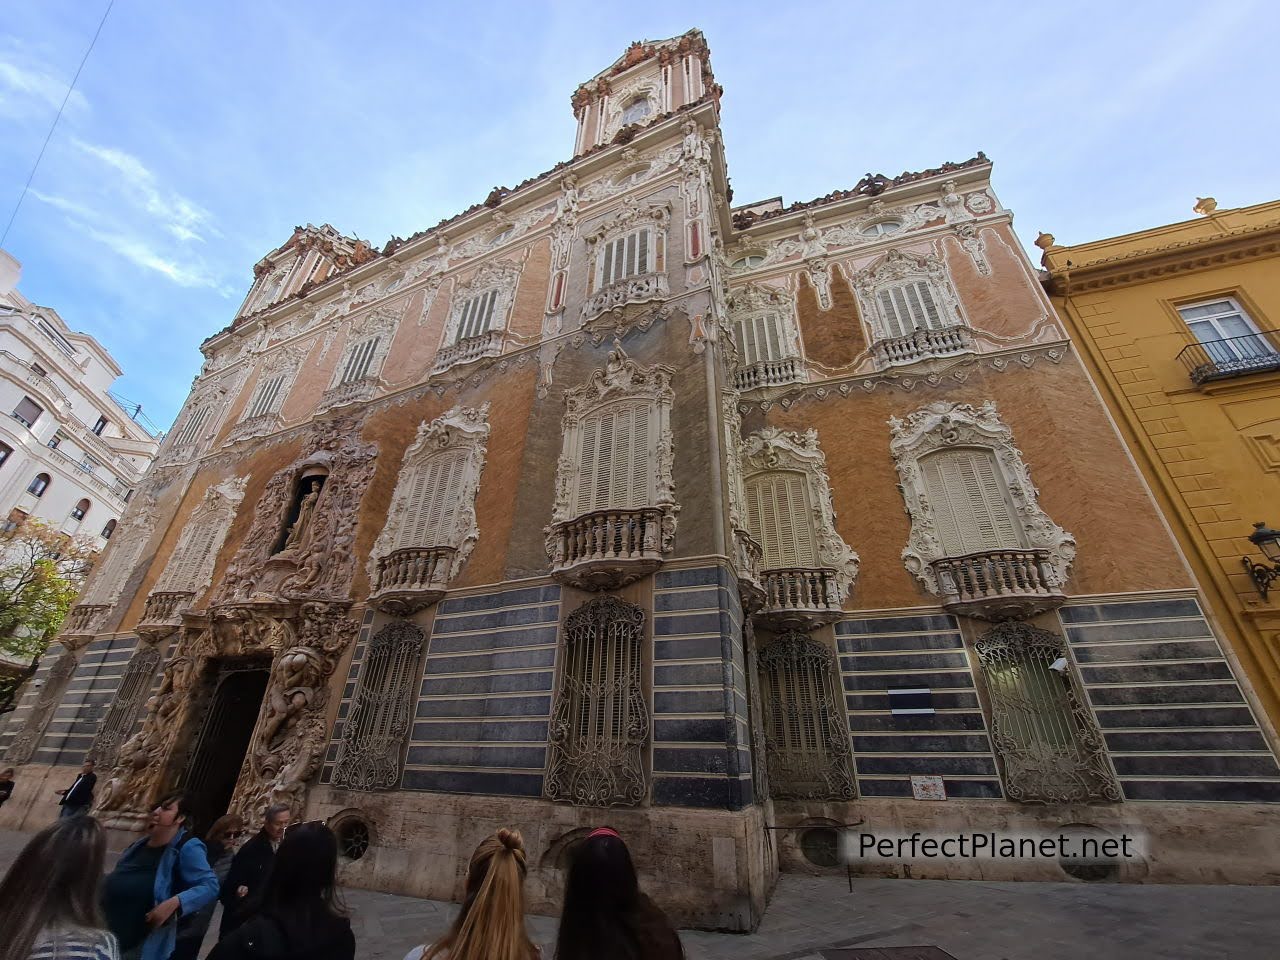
222 738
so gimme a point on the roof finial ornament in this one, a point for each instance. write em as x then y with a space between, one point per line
1205 206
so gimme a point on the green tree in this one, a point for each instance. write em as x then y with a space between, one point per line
41 572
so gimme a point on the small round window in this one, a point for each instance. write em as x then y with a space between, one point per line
744 263
881 228
353 838
821 847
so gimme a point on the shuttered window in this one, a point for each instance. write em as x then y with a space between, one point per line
624 257
432 509
191 429
615 457
27 411
359 360
761 338
908 307
477 314
971 511
779 517
265 397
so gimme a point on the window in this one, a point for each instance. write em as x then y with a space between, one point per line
751 260
55 440
108 530
1228 334
806 737
39 485
80 510
27 411
636 110
778 515
477 314
359 360
908 307
382 711
38 370
123 711
615 444
881 228
265 397
88 464
761 338
15 519
5 450
626 256
600 723
191 429
432 508
100 425
971 511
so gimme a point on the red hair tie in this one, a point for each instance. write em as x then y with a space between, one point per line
604 832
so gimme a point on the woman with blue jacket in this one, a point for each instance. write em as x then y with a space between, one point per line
158 879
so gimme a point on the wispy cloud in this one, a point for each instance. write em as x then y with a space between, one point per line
30 91
140 253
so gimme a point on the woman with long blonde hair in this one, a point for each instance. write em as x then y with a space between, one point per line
490 924
49 897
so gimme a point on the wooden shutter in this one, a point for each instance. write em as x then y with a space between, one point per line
359 360
778 515
760 338
615 465
28 410
970 509
265 396
908 307
433 502
193 425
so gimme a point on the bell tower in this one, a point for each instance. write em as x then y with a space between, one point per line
648 82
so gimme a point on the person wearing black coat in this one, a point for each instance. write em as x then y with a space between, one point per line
250 868
78 798
297 916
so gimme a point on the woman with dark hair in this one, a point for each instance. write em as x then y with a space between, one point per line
298 914
605 914
49 897
490 923
219 843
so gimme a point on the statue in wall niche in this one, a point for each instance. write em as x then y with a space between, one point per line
297 537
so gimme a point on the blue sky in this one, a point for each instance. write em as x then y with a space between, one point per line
201 133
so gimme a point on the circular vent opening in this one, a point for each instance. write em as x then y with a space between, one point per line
1092 867
353 838
821 847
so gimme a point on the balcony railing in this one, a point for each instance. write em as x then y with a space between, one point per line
641 289
85 619
357 391
1232 357
487 344
800 597
747 557
608 548
412 578
163 613
254 427
920 344
998 584
768 373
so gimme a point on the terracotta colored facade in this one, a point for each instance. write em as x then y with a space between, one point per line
693 456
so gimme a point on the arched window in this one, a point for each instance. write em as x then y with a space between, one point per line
370 753
108 530
80 509
971 508
806 736
600 724
39 485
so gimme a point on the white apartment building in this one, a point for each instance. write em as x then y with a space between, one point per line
70 455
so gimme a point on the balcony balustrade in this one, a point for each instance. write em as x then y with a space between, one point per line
768 373
802 598
487 344
607 549
258 426
85 619
357 391
412 578
639 289
920 344
163 613
998 584
1232 357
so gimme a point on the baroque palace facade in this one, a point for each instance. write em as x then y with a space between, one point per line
606 501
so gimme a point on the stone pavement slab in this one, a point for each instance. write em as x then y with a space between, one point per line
817 918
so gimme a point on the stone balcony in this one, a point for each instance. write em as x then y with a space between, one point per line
344 394
258 426
85 619
799 598
639 289
921 344
487 344
163 613
998 584
769 373
412 578
606 549
747 557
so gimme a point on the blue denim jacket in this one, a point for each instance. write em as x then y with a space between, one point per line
199 887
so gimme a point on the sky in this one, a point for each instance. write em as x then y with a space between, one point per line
199 134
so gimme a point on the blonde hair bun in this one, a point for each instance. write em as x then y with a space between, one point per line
511 839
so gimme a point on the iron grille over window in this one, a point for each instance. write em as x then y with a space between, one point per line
477 314
601 721
1047 739
118 723
369 756
806 735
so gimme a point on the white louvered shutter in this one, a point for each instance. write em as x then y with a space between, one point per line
615 466
760 338
265 396
624 257
433 502
358 360
778 516
477 315
971 510
191 429
908 307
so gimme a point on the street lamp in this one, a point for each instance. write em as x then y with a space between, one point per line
1268 541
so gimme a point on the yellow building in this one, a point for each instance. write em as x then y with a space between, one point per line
1180 325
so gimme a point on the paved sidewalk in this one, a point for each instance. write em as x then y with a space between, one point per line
819 919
